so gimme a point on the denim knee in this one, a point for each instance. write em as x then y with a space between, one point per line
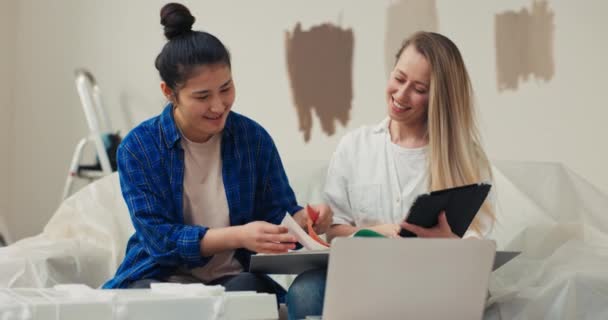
306 293
309 282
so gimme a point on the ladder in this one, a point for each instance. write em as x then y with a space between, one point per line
100 135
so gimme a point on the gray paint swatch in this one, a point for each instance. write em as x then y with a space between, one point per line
319 65
404 17
524 45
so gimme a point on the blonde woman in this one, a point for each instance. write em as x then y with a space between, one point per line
429 141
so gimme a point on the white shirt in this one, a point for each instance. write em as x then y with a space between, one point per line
410 165
371 181
205 201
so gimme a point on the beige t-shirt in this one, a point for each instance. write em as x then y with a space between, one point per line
205 201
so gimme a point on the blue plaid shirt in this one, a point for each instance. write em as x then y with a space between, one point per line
151 169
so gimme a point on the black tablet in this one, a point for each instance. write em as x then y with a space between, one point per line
460 205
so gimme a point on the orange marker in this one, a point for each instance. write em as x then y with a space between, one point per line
313 216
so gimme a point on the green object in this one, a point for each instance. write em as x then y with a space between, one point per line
366 233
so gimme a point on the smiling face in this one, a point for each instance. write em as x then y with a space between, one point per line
202 104
407 91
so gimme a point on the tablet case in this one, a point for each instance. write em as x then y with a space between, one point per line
460 204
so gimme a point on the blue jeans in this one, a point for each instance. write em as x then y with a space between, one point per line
305 295
243 281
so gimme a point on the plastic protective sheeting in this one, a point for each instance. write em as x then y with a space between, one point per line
557 219
173 301
83 242
560 223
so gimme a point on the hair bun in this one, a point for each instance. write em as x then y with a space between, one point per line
176 19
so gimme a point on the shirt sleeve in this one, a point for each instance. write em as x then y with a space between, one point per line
147 195
486 216
336 186
274 196
485 223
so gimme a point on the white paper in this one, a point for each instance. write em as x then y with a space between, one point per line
301 236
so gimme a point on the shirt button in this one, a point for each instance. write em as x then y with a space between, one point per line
398 200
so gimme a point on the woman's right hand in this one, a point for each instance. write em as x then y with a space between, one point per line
390 230
264 237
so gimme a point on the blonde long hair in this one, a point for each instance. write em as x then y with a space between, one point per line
456 156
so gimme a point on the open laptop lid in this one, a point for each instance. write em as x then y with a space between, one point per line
374 278
297 262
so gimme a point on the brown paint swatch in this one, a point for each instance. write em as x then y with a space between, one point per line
319 65
524 45
404 17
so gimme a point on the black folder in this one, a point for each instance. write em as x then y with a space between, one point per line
460 205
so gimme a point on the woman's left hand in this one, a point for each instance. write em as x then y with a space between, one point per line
441 230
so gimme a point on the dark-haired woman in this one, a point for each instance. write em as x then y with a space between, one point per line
205 186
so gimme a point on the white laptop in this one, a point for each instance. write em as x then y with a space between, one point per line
375 278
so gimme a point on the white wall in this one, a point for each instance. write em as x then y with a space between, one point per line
561 120
118 41
7 61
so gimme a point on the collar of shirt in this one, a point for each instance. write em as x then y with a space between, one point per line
172 135
382 127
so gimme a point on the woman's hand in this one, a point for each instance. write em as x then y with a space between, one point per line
321 223
264 237
389 230
324 219
441 230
